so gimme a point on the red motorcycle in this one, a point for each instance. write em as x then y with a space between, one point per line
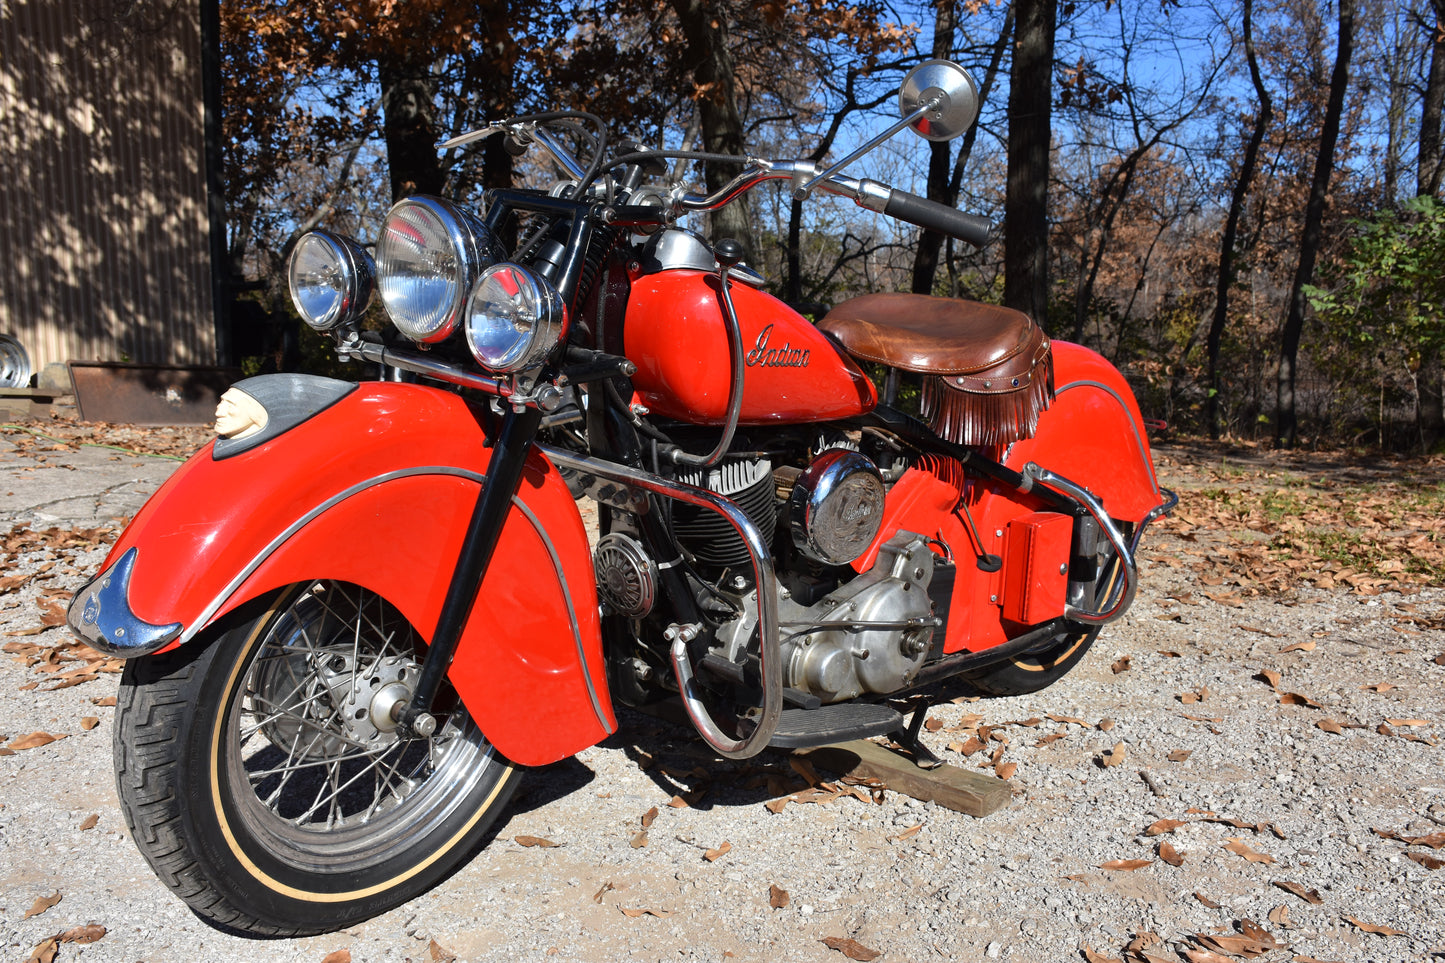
354 616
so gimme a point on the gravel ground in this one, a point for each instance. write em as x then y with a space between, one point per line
1192 731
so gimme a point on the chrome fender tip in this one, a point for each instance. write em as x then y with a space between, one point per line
100 615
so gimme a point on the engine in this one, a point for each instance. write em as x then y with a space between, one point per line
871 634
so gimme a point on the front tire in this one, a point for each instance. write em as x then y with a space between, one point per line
264 781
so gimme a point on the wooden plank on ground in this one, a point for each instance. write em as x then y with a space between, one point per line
958 789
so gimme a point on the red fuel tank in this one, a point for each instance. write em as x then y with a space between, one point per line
674 333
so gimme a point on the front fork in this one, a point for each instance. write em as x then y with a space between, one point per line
494 505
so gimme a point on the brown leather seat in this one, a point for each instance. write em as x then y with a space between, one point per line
987 369
916 332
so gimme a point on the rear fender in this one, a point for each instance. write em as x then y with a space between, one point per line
377 490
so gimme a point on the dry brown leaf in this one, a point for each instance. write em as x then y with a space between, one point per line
638 840
1006 770
1189 698
1270 676
1126 865
1311 896
1236 845
1259 934
1279 916
1205 956
1439 659
107 701
1299 647
1049 739
1295 699
42 903
713 855
933 725
1426 860
1121 665
634 913
1372 928
1113 757
337 956
850 948
89 822
1179 755
1434 840
1161 826
910 831
1170 855
1207 901
677 802
1170 654
1104 725
1074 720
1330 725
34 741
1202 718
1408 722
1142 942
440 954
805 769
1379 687
969 747
607 887
776 806
87 933
534 841
45 951
778 898
648 817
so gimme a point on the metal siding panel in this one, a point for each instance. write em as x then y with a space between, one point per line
102 191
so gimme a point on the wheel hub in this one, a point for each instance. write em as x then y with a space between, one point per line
368 704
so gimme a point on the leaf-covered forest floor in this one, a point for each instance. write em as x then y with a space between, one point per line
1247 766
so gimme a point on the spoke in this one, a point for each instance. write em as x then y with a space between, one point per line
279 711
338 790
289 766
379 785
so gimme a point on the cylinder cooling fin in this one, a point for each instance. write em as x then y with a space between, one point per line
709 537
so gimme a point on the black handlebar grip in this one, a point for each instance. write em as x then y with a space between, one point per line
934 216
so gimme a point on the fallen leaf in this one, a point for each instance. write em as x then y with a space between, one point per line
1270 676
805 769
1204 956
89 822
1426 860
933 725
968 748
1379 687
1237 846
1161 826
850 948
638 840
1113 757
1439 659
88 933
440 954
42 903
648 817
107 701
910 831
1330 725
1259 934
1279 916
1170 654
634 913
1408 722
1202 718
1073 720
1299 647
1093 957
778 898
534 841
677 802
34 741
89 722
1126 865
1207 901
607 887
776 806
1122 665
1049 739
1006 770
1311 896
45 951
1104 725
337 956
1372 928
1170 855
1295 699
1179 755
1434 840
713 855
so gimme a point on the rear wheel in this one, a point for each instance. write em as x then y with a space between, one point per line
265 781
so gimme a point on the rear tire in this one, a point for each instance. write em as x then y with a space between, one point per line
1039 670
263 781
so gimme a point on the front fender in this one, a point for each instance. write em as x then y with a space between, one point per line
377 489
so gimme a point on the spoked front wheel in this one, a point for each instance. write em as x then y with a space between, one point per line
265 780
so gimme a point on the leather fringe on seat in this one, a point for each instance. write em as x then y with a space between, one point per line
970 411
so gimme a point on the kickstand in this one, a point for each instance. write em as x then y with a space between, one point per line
908 738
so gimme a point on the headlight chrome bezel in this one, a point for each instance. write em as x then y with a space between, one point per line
504 342
469 246
355 274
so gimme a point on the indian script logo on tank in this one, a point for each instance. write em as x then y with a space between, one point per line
786 356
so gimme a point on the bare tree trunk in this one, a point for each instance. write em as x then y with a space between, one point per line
705 25
925 264
1231 223
408 103
1286 428
1428 168
1026 209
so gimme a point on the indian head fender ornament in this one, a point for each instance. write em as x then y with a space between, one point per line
785 357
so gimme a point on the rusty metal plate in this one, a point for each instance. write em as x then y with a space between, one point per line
149 394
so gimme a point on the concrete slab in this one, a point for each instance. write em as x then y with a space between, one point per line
87 487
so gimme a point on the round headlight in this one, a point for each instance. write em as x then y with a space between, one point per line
331 279
514 317
428 255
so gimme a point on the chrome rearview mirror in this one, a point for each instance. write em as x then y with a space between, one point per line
947 96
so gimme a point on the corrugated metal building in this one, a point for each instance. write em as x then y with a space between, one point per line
103 220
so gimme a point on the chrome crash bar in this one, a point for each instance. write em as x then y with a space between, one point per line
770 661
